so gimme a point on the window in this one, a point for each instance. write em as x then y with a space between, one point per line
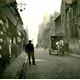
71 32
78 8
0 47
1 40
76 31
0 56
61 34
1 32
70 14
74 9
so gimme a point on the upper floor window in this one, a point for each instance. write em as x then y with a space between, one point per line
70 12
74 9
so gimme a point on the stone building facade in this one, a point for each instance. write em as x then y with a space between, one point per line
40 34
58 27
11 34
70 23
47 30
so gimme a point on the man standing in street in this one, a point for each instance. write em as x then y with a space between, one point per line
30 52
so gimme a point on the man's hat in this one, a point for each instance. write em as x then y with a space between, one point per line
30 41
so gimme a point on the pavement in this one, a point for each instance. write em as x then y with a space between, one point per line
74 55
14 69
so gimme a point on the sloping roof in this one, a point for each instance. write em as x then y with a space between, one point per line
57 17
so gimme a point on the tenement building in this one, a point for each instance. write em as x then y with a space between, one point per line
70 21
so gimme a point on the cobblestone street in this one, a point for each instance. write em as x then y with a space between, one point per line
53 66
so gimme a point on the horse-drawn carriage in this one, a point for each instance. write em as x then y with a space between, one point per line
56 44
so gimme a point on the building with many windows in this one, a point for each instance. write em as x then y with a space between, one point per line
70 23
11 31
46 30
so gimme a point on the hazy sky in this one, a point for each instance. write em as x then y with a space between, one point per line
32 15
